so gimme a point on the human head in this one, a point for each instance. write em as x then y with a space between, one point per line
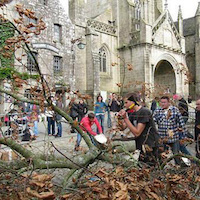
164 102
91 116
99 98
180 96
157 98
198 105
131 99
114 96
81 101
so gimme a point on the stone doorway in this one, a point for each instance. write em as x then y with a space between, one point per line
164 78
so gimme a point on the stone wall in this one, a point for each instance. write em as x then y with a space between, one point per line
45 44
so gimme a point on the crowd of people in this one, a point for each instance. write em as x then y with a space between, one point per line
154 130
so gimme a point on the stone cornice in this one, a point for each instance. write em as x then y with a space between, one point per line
101 27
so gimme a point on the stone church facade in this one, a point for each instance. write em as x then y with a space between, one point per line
125 33
129 43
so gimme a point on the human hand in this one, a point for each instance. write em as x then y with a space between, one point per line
122 113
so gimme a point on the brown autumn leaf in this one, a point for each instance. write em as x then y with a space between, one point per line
104 196
175 178
42 177
101 173
122 195
42 195
114 64
119 170
75 123
119 84
169 114
198 126
97 189
130 67
197 179
37 183
66 196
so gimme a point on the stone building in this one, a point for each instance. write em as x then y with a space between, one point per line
191 32
52 47
140 33
120 35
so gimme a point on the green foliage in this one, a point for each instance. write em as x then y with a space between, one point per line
10 72
6 31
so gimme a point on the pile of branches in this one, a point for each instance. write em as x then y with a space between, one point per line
109 184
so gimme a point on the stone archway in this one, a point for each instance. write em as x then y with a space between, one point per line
164 78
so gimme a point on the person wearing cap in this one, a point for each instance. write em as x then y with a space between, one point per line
141 124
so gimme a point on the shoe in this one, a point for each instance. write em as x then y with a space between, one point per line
76 148
49 134
57 135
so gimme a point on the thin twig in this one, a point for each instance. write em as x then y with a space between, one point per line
76 163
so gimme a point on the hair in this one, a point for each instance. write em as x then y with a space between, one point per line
133 97
165 97
101 97
91 115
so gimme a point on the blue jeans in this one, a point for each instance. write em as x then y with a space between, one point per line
184 150
109 123
79 138
35 128
100 119
59 125
50 124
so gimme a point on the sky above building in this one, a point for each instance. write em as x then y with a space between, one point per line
188 7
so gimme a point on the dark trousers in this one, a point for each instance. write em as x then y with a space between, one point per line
50 125
175 147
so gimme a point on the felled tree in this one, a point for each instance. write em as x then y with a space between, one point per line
18 38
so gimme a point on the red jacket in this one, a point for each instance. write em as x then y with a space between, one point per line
86 125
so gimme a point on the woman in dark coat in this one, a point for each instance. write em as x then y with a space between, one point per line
82 110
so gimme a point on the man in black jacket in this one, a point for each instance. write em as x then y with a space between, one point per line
183 108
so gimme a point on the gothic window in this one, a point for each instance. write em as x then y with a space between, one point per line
137 12
103 60
31 62
137 27
57 64
57 32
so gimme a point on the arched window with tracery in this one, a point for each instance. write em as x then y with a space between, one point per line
103 60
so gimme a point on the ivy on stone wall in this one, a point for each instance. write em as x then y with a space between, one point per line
6 31
9 73
7 70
